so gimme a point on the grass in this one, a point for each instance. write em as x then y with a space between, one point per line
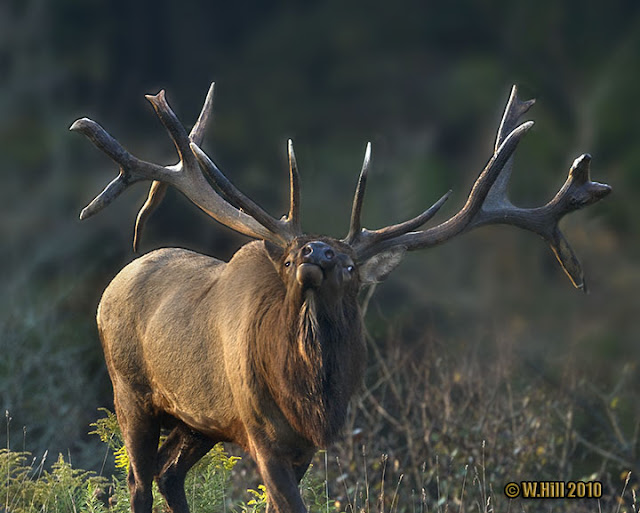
430 433
30 487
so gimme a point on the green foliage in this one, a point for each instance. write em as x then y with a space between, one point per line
314 491
62 489
29 488
207 482
108 430
258 502
460 473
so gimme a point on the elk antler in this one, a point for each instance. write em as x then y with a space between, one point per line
289 226
187 177
361 238
488 203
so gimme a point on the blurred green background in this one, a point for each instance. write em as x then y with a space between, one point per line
426 82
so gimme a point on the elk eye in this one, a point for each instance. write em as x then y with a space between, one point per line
287 263
350 268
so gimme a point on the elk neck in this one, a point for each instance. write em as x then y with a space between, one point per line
316 362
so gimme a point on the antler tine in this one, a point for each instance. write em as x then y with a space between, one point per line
158 189
368 238
293 219
460 221
154 198
186 175
236 196
197 132
515 109
131 169
360 238
355 225
577 192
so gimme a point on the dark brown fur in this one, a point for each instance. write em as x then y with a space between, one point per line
238 352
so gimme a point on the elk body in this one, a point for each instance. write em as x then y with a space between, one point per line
266 350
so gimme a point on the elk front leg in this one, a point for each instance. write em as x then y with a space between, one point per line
141 432
281 478
182 449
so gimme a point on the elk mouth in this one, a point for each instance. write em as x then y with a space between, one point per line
310 275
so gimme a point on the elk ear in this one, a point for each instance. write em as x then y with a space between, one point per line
379 266
274 252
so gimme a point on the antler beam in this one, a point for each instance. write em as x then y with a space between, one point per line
488 203
187 177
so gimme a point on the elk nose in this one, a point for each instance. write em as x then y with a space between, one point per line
318 253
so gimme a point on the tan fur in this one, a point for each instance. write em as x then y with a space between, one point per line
233 352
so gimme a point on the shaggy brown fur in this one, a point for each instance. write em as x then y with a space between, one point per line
264 351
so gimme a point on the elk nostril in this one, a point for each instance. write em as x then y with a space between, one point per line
307 250
329 254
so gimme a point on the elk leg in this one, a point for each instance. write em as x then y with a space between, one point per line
141 433
301 469
281 480
181 450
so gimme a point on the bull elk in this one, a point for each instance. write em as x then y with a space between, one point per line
266 350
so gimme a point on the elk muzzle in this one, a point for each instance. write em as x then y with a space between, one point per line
316 258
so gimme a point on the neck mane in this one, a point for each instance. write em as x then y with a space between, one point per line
316 364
